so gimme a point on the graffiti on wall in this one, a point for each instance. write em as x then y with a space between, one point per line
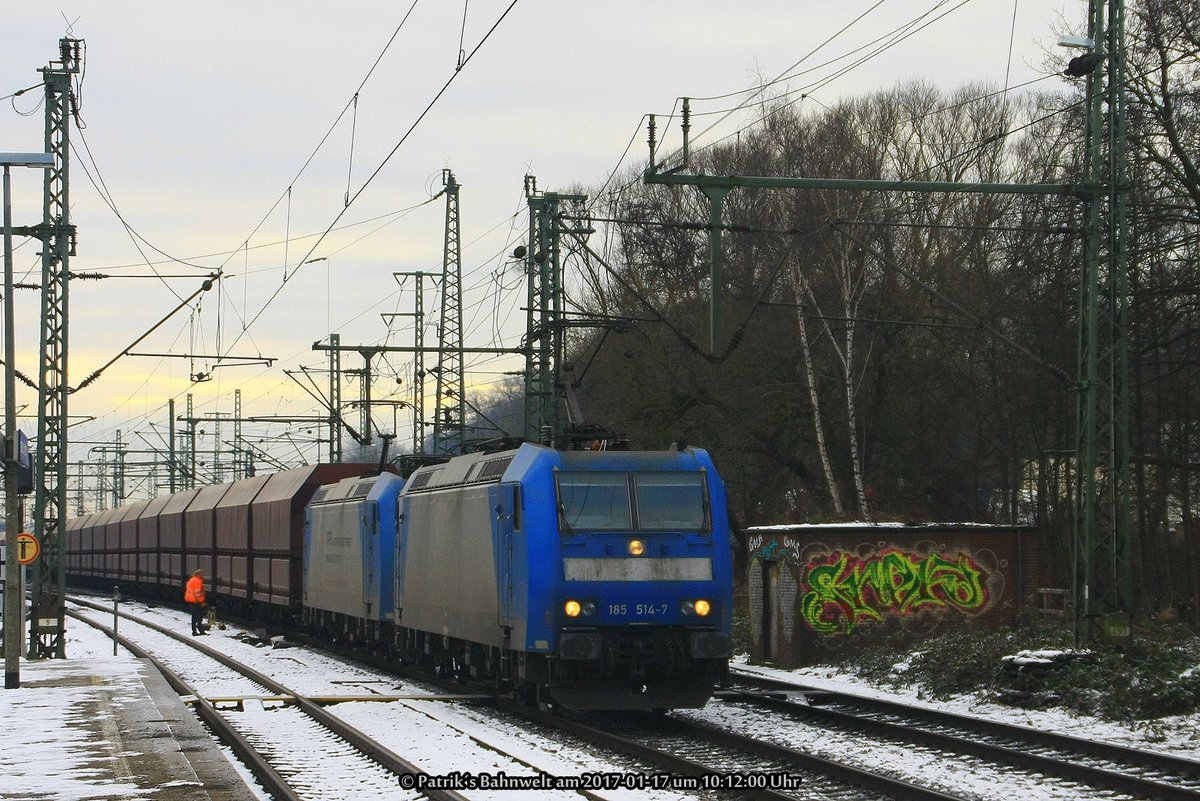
772 549
783 555
841 590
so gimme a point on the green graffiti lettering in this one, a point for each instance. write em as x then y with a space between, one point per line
842 590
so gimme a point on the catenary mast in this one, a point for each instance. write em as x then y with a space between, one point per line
46 633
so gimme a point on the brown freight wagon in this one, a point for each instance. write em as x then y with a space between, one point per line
104 548
200 533
73 536
277 526
147 540
126 522
233 537
247 537
171 525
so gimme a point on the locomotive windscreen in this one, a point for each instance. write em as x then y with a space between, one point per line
673 501
594 500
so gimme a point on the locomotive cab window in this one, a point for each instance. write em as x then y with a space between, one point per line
601 501
593 500
671 501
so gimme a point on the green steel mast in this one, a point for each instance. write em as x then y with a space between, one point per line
449 405
47 636
418 379
545 417
1103 585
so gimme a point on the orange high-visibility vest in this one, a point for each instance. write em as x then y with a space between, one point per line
194 592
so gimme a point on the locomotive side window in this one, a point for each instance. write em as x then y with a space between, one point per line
673 501
593 501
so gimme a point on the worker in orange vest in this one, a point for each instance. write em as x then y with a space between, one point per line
193 596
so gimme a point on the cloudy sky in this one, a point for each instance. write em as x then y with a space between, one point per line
226 137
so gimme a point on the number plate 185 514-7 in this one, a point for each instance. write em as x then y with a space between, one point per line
638 610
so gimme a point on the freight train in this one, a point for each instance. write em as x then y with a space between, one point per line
584 579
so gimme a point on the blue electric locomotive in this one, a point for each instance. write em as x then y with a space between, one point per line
591 579
349 558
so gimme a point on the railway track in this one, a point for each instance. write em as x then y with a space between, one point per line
270 727
730 767
1087 763
690 757
261 740
682 753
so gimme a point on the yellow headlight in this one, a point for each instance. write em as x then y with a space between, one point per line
572 608
703 608
636 547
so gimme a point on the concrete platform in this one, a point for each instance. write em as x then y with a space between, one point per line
107 728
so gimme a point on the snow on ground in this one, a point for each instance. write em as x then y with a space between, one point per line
47 753
1178 736
962 775
43 750
39 723
47 725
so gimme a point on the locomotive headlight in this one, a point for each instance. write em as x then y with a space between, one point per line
698 607
575 608
636 547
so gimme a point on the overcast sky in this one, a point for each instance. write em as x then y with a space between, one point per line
199 117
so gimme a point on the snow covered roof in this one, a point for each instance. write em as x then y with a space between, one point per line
867 524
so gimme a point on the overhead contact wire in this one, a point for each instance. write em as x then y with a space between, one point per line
386 159
333 126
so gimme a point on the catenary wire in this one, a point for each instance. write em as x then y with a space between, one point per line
370 179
